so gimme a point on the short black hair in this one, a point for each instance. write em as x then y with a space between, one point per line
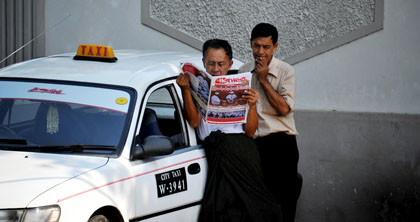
218 44
265 30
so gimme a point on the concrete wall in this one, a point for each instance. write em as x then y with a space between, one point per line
378 73
360 162
113 22
360 167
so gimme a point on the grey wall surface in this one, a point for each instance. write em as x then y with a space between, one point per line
377 73
113 22
362 167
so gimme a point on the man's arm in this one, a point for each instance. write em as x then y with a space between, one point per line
191 111
276 100
252 119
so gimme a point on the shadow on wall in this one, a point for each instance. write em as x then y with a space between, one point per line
401 205
359 167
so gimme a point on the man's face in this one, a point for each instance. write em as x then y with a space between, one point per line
217 62
263 48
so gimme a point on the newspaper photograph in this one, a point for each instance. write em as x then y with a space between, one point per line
219 98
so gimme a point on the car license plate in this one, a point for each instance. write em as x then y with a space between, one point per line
171 182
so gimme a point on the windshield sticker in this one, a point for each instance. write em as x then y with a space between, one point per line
106 98
122 101
51 91
52 120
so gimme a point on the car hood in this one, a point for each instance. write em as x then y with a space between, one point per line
26 175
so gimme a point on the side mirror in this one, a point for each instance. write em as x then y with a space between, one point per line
154 145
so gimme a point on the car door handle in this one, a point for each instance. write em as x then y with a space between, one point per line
194 168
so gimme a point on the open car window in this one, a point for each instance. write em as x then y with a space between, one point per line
162 116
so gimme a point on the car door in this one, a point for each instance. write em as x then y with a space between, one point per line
168 187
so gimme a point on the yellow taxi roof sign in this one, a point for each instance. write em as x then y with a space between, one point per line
100 53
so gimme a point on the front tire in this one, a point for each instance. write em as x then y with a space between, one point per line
98 218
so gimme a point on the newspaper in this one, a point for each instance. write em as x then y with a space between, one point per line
219 98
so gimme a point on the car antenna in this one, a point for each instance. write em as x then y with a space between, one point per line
36 37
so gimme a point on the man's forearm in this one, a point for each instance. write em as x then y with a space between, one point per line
251 121
275 99
191 111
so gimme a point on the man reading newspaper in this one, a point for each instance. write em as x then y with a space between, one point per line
217 97
234 188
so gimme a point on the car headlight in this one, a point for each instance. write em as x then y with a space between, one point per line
39 214
11 215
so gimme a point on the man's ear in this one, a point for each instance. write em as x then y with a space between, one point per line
204 64
275 47
230 64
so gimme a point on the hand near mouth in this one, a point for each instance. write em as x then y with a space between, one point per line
261 66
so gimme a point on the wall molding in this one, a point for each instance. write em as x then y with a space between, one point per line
148 20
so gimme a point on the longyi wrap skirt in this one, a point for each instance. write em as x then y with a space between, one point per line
235 189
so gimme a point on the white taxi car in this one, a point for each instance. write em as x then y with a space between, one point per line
86 140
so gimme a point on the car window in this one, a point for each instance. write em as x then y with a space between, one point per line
162 117
37 114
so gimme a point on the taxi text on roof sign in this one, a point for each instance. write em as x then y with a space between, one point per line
101 53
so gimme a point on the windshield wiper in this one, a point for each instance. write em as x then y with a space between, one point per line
61 148
13 141
80 147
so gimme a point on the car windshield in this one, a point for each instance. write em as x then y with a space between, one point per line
58 117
